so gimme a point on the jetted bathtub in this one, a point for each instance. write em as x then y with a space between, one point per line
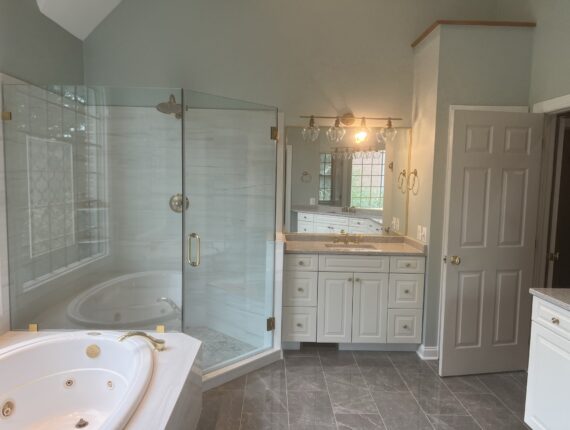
134 300
91 380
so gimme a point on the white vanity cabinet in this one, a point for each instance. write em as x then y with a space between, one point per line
356 299
549 368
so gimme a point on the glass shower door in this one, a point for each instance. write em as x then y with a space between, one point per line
229 180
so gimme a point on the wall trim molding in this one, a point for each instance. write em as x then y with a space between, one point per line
555 105
428 352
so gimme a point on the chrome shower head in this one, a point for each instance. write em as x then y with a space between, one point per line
170 107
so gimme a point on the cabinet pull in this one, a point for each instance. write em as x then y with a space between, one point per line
405 326
555 321
406 291
301 263
299 325
349 280
357 280
408 264
300 290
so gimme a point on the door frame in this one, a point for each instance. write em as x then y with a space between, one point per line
551 109
447 190
561 126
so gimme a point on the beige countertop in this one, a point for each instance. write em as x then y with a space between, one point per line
371 248
556 296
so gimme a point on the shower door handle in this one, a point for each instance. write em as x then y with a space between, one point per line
189 239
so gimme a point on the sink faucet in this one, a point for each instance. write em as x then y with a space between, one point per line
170 302
158 344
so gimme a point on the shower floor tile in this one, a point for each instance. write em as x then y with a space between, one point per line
218 347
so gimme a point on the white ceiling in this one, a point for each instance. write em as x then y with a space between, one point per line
79 17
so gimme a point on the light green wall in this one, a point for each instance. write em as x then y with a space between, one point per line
320 56
551 43
477 66
34 48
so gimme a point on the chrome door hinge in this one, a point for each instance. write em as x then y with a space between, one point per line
270 323
6 116
275 134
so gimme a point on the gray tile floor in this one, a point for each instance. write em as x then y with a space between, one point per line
322 388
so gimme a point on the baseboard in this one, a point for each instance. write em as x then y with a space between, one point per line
291 346
228 373
428 352
396 347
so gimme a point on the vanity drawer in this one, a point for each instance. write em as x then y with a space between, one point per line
406 290
405 264
299 324
300 288
358 222
305 227
301 262
404 326
353 263
332 220
302 216
551 317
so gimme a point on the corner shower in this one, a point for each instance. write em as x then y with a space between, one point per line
120 217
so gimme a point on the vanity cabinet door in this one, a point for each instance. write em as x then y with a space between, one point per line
370 309
548 380
334 307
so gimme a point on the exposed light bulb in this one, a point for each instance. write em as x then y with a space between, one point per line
389 133
311 133
336 133
362 133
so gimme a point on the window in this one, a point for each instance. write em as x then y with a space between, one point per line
325 178
367 180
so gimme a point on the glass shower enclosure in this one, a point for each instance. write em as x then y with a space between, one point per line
129 208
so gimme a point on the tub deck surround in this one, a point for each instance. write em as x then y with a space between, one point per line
170 398
381 245
557 296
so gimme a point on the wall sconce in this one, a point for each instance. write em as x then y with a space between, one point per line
311 133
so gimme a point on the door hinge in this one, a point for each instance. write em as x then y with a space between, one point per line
6 116
445 259
553 256
270 323
275 134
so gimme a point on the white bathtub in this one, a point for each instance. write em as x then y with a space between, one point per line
50 382
132 300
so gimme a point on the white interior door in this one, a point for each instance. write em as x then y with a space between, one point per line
490 227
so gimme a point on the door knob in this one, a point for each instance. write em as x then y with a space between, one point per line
456 260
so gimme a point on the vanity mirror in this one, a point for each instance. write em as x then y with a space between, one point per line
348 185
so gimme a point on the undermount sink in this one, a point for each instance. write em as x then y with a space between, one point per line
350 245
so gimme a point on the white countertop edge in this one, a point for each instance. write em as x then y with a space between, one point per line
557 296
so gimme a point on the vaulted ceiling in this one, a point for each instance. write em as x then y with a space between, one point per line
79 17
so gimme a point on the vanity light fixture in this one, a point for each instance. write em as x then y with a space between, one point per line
311 132
336 133
362 133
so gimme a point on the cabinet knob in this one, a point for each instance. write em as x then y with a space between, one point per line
405 326
406 291
357 279
300 290
555 321
408 264
349 279
301 263
299 325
